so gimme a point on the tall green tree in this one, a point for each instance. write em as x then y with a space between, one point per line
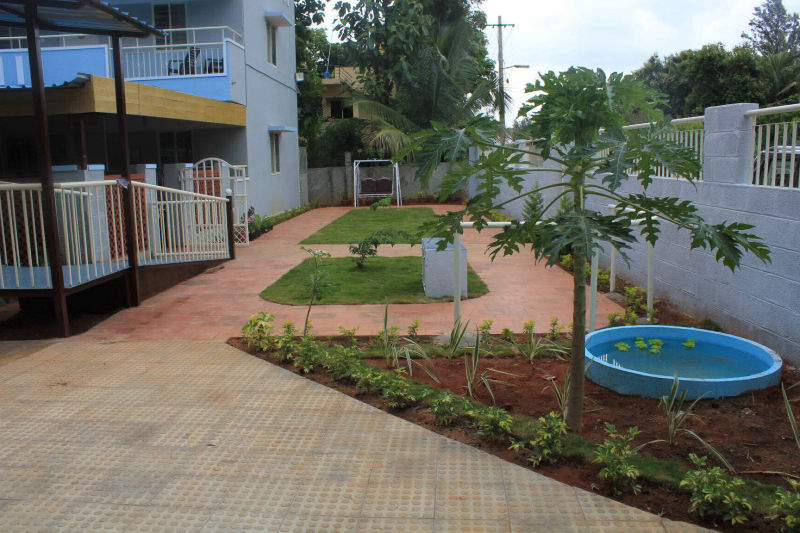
773 30
310 44
692 80
385 34
575 118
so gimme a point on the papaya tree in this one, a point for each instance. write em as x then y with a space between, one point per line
575 118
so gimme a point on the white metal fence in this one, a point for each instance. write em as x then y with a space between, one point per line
171 226
178 226
690 138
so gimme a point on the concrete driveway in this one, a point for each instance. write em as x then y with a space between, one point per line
196 435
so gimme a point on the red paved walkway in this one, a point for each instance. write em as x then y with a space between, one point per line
216 305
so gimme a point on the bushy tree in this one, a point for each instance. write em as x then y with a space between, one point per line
309 46
773 29
575 118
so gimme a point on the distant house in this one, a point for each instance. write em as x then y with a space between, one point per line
335 95
220 82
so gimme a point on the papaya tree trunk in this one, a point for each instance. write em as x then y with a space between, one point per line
576 370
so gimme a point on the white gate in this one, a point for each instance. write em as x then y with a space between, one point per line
213 176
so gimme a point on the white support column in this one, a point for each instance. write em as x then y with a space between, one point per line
593 298
649 281
456 278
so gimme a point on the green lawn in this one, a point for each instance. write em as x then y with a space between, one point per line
395 280
358 224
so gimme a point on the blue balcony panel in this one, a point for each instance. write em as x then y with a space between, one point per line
60 65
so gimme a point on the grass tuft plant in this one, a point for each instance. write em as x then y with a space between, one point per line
533 347
456 338
790 413
471 362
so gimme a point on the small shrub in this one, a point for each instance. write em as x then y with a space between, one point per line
400 393
555 329
507 335
636 301
561 394
547 440
485 328
285 344
566 262
787 507
308 354
413 329
614 455
714 493
349 334
448 408
258 331
614 319
368 247
491 420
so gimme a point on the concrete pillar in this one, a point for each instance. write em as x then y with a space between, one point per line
348 176
728 145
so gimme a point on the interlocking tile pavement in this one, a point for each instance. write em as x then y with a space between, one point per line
130 436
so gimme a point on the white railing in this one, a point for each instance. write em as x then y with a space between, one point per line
91 230
776 155
23 263
177 226
690 138
161 61
171 226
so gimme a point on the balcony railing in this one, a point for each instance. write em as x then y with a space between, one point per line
181 52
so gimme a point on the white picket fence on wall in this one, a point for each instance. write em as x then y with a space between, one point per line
172 226
690 138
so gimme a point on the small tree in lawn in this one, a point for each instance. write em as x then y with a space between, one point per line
575 118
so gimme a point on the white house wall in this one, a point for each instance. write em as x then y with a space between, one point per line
271 101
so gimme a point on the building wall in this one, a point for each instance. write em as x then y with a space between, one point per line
271 102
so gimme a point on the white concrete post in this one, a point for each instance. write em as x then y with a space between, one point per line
593 299
456 278
728 145
649 281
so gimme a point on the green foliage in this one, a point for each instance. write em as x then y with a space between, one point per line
566 262
407 224
507 335
456 338
490 420
485 328
615 319
533 347
774 31
622 346
615 456
689 344
308 354
603 275
471 361
388 338
640 343
349 334
547 440
413 329
714 493
636 300
561 394
533 208
319 280
368 247
790 414
787 507
555 328
384 280
258 331
447 408
327 149
674 411
286 346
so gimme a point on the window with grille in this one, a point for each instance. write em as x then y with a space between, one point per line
275 151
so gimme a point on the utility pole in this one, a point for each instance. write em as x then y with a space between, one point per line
501 95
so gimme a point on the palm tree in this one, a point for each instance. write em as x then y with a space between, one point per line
444 85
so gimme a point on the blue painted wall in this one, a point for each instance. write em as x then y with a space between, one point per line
214 87
60 65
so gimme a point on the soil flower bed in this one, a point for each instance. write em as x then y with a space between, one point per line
751 431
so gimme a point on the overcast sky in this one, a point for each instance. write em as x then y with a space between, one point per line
616 35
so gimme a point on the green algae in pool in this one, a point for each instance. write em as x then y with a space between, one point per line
704 361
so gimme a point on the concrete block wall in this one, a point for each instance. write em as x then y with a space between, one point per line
334 185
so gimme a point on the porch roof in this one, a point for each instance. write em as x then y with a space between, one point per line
76 16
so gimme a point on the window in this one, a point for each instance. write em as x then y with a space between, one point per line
169 16
340 109
272 43
175 147
275 151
